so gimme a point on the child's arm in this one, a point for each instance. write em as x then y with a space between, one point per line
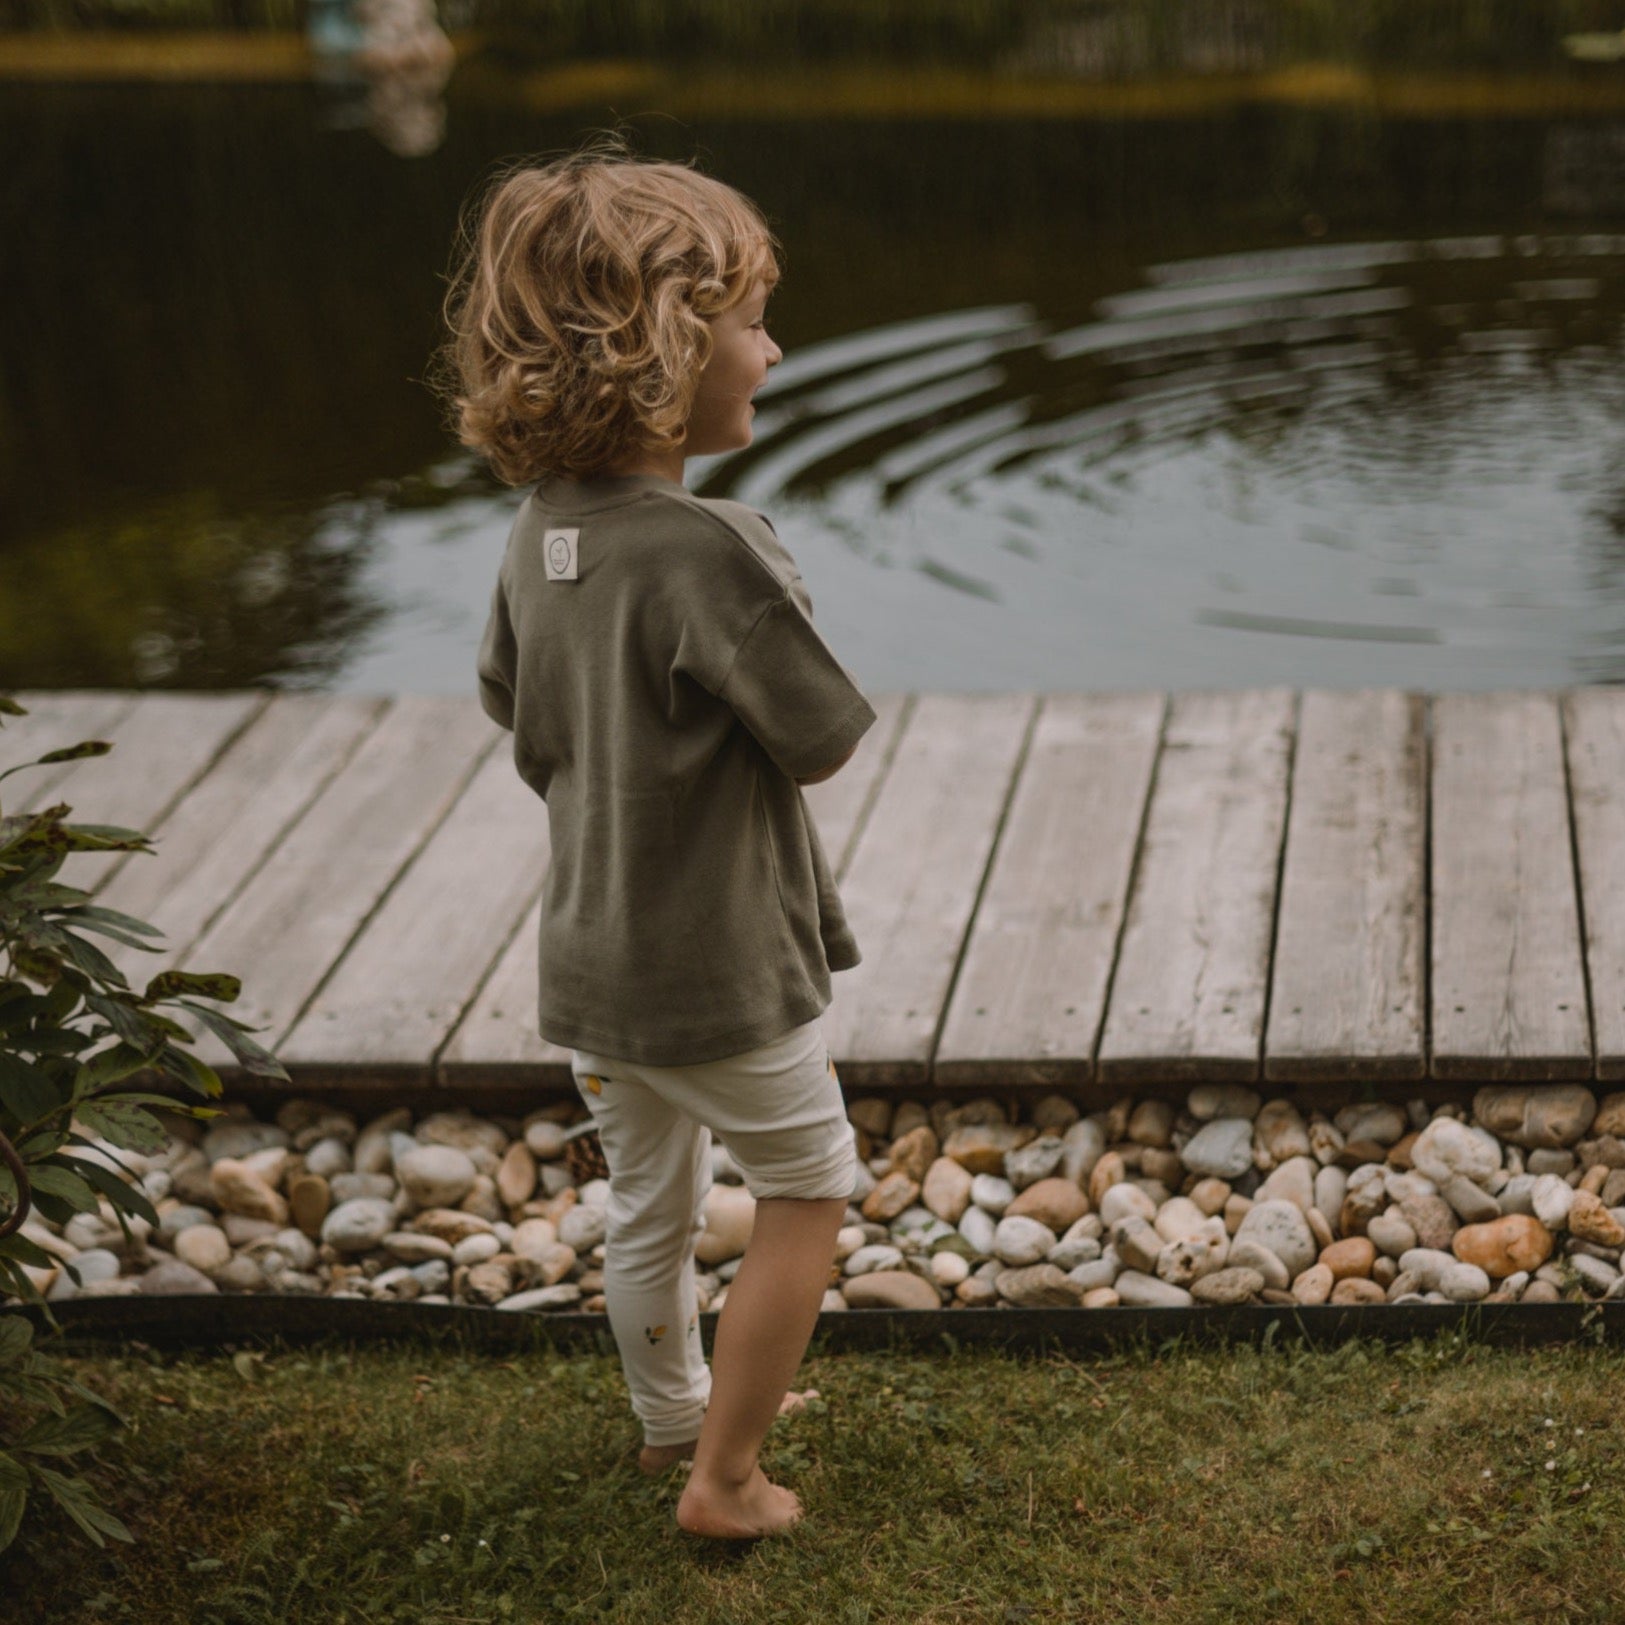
496 663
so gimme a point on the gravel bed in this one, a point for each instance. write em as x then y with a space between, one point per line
1519 1197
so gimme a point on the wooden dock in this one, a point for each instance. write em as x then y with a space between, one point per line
1312 890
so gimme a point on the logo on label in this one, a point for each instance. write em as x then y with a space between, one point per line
560 551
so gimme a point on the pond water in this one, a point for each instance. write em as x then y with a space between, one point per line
1210 390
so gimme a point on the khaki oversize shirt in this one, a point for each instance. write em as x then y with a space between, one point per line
653 653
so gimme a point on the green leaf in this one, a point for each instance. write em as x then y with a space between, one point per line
47 1179
13 1498
27 1091
233 1034
16 1333
204 984
74 1497
73 753
19 1247
122 1193
83 1428
111 916
127 1127
92 961
193 1072
112 1065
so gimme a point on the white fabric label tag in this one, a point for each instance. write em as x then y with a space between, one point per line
559 552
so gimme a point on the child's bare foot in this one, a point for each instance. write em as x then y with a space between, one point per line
656 1458
737 1512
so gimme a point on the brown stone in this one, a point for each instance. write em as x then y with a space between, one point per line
1055 1201
1038 1286
450 1224
309 1199
1352 1256
1356 1289
871 1114
1591 1221
973 1292
946 1189
1433 1220
981 1147
516 1175
1314 1285
1399 1153
894 1193
1610 1118
1607 1150
238 1189
1356 1152
891 1289
1501 1247
1535 1114
1108 1171
914 1152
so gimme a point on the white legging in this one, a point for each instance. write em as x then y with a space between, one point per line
779 1112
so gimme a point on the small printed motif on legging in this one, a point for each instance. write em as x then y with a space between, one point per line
832 1071
655 1334
694 1321
590 1082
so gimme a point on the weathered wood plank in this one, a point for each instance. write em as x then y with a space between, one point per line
57 718
1030 998
403 984
1509 998
1187 999
161 746
290 925
1347 999
839 804
913 880
210 844
1594 721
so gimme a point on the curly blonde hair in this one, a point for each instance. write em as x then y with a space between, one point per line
580 303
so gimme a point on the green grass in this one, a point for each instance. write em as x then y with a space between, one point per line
331 1485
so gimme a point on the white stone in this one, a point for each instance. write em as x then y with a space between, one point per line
1126 1200
1179 1218
203 1246
1463 1283
1446 1147
1083 1145
584 1226
876 1256
476 1249
1280 1228
1391 1233
1021 1240
436 1175
1222 1149
978 1227
353 1227
1137 1291
991 1193
1550 1198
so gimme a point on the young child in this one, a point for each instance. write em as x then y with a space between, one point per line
655 656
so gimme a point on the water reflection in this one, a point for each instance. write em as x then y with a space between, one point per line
1271 395
1281 459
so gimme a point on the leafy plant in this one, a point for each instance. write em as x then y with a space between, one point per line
61 999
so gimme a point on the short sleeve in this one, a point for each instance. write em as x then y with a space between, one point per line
794 696
496 663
